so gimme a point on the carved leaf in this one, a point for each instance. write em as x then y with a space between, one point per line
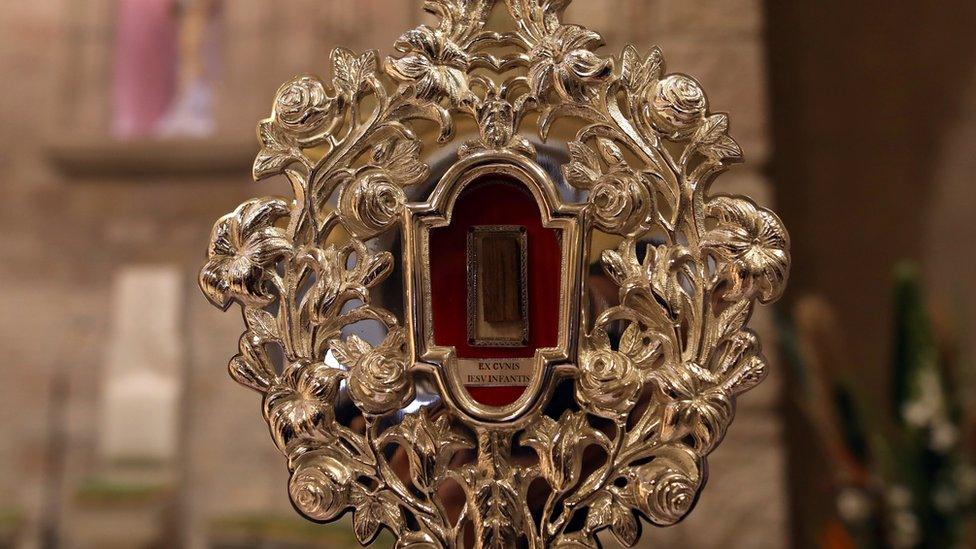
636 73
733 318
611 153
370 514
625 526
350 72
712 139
712 130
500 507
349 352
261 323
429 444
552 11
608 511
560 446
375 269
724 148
600 513
252 367
401 158
584 166
642 344
277 151
621 264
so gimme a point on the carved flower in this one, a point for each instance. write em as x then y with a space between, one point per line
372 203
620 202
435 64
609 383
564 60
244 245
700 400
373 198
378 379
697 405
302 105
665 493
754 245
496 118
497 122
301 402
678 106
321 484
619 197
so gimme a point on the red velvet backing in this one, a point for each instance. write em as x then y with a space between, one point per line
494 201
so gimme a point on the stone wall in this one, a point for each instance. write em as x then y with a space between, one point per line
65 237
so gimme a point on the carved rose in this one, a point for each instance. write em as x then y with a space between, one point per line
378 380
321 484
435 64
244 245
619 198
609 384
666 495
302 105
372 203
754 246
563 61
621 202
678 106
302 401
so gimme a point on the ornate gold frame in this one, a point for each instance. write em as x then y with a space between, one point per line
689 267
435 212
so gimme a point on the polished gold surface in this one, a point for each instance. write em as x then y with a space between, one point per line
651 406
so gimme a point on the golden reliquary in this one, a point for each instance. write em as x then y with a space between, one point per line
502 308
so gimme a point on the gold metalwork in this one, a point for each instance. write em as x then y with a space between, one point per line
654 404
441 362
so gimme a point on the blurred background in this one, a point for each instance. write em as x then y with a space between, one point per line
127 128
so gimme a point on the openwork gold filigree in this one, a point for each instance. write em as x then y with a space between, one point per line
650 405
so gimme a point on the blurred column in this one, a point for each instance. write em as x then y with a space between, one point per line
142 371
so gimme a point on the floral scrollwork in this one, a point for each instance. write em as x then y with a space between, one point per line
321 485
609 383
378 380
655 375
753 245
243 247
434 63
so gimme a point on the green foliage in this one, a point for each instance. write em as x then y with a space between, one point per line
907 460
